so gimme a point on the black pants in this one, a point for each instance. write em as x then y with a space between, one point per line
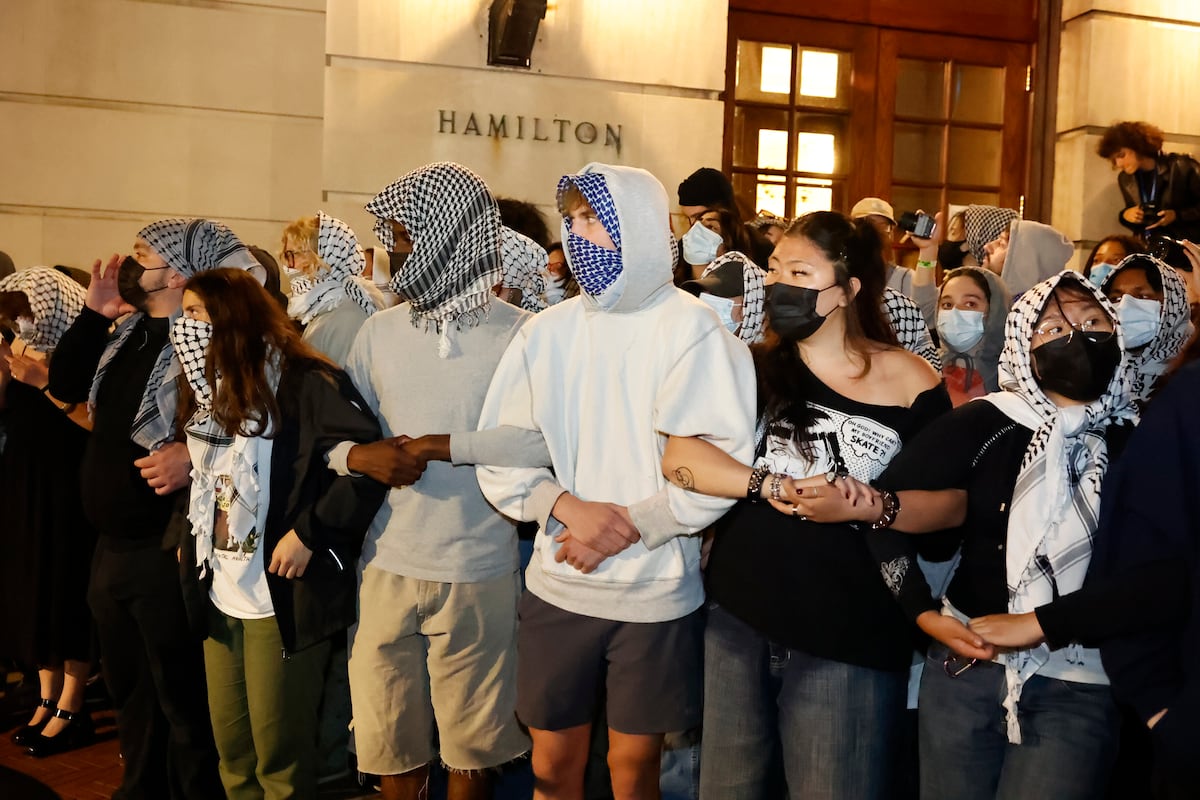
154 668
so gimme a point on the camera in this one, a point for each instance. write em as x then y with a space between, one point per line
1169 251
1150 213
919 224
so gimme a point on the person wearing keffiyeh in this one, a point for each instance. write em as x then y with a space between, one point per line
1151 302
44 617
273 532
524 263
436 554
329 295
133 468
1020 470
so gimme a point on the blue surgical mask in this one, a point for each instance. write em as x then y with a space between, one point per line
1139 320
700 245
724 307
960 330
1100 272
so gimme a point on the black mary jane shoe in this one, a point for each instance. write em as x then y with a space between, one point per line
79 732
23 735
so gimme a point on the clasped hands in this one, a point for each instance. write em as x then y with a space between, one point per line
398 461
592 532
834 497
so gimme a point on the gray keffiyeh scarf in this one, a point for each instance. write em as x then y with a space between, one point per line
454 224
1056 499
188 247
195 245
338 249
55 300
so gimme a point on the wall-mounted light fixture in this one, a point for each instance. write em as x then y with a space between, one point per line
512 31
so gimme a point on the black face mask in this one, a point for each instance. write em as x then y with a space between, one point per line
129 275
1078 367
951 255
792 311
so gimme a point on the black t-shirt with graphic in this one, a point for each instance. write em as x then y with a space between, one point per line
828 589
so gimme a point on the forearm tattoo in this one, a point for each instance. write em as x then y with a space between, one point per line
684 479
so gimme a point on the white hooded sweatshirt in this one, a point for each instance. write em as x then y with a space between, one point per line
605 388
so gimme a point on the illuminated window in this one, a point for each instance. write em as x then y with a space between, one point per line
771 197
818 73
772 149
815 152
814 195
776 70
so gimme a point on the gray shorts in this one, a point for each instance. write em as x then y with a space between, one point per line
651 672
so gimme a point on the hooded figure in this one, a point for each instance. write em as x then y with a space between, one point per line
1155 331
1035 252
1056 498
188 247
524 264
606 377
55 300
963 368
451 218
625 361
983 224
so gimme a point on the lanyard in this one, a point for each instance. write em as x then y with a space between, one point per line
1152 195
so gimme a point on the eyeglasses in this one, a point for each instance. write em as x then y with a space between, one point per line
1063 328
290 256
956 665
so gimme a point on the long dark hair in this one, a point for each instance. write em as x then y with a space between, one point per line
248 330
856 251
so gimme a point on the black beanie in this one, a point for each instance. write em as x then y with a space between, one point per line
706 187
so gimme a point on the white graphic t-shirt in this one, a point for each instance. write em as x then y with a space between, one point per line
239 587
838 442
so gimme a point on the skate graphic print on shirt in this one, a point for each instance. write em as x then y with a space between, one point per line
836 441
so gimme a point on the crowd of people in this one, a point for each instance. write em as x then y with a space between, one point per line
824 524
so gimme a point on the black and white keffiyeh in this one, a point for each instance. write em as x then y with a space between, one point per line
1174 325
225 469
339 251
753 297
191 338
1056 499
909 324
195 245
454 224
524 265
984 224
55 300
154 423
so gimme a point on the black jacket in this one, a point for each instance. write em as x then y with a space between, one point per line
1178 189
330 513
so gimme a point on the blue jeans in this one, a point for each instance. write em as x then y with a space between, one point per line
1068 731
833 727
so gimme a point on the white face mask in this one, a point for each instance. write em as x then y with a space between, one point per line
700 245
960 330
1139 320
724 308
